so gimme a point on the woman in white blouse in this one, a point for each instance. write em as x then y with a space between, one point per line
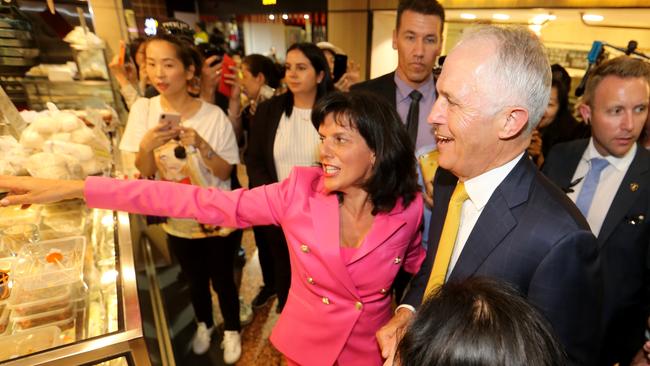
281 137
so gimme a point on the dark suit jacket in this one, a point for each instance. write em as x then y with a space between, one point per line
623 244
383 86
531 236
260 165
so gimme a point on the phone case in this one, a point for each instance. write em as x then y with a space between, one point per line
226 63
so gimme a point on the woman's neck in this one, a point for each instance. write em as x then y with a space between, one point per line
304 100
179 102
357 203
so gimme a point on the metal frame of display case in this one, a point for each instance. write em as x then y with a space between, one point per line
127 341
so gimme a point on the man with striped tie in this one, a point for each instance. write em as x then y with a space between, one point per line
608 177
494 214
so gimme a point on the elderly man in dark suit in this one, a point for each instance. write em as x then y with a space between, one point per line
494 214
608 176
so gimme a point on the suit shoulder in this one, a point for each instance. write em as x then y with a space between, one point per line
555 204
373 84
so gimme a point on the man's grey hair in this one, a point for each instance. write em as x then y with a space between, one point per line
521 73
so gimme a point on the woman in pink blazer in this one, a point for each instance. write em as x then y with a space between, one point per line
350 225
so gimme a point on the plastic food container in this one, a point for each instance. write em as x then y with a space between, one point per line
4 318
14 215
55 317
26 303
64 224
28 342
34 270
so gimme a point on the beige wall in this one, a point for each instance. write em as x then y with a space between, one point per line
108 18
348 30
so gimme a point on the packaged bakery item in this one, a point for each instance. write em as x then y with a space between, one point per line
25 343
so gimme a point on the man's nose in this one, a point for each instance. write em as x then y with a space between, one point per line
437 111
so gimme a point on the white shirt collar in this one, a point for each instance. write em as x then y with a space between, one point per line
621 164
480 188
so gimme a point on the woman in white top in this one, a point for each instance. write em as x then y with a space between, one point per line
201 150
282 136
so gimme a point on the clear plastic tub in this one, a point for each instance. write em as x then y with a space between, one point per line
64 224
4 318
26 303
28 342
33 269
55 317
14 215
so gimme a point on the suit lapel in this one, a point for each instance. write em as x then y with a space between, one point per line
496 220
625 197
325 219
272 128
570 164
383 228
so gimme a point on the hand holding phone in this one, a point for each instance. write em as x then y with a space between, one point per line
226 69
169 120
340 67
122 54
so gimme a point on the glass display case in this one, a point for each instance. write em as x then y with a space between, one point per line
68 287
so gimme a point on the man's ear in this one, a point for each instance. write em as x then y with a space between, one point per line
189 73
515 121
585 112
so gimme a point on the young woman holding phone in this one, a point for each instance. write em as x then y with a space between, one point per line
194 144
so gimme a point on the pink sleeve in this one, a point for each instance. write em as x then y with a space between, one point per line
415 254
263 205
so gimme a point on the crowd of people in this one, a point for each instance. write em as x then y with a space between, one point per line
524 242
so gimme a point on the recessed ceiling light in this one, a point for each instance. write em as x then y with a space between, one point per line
285 16
540 18
271 17
306 16
499 16
592 17
467 16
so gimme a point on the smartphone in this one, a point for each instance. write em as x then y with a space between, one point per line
210 50
340 66
122 55
226 64
170 120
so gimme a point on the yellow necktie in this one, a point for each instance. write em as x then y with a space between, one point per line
447 240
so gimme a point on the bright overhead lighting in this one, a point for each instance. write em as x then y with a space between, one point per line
592 17
306 16
285 16
271 17
467 16
552 17
499 16
540 18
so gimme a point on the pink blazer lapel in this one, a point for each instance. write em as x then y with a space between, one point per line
325 218
383 228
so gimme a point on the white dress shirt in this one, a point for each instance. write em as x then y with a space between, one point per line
610 179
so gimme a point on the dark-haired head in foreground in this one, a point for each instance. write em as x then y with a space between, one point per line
393 174
479 322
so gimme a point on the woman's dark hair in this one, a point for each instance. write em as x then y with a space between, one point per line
393 176
185 51
134 45
562 82
479 322
318 61
261 64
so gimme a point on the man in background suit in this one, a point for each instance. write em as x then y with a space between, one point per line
614 168
505 220
411 89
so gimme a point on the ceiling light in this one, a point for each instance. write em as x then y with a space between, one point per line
540 18
271 17
285 16
499 16
467 16
592 17
552 17
306 16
